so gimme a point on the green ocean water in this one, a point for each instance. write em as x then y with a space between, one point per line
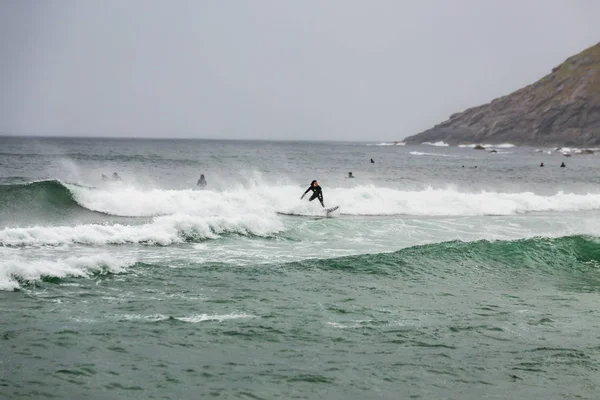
435 280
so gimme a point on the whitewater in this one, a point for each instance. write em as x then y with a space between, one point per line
446 264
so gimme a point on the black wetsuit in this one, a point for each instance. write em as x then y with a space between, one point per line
317 194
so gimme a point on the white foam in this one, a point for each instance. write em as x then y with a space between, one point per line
388 144
164 231
420 153
194 319
438 144
496 146
254 211
567 151
139 317
580 151
16 268
366 200
135 202
355 323
500 146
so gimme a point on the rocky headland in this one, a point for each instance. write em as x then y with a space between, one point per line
561 109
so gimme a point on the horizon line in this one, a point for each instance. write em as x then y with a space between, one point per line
62 136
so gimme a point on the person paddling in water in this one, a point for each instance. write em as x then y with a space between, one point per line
317 192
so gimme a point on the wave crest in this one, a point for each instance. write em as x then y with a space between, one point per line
562 255
16 271
162 231
254 209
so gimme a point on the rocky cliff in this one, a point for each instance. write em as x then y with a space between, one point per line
561 109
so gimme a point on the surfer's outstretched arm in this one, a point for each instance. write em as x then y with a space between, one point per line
307 190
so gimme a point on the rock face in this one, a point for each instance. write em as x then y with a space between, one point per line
561 109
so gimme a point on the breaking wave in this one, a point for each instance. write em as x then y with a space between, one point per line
437 144
14 271
420 153
163 231
253 210
576 257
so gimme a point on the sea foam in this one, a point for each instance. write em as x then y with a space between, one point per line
165 230
186 215
438 144
14 268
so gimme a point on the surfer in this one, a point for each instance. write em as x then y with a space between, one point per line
116 177
562 165
201 181
317 192
372 162
350 175
542 164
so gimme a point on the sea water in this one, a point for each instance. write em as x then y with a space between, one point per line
447 272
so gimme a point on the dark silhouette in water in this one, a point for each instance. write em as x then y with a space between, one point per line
542 164
350 175
317 192
202 181
562 165
115 178
372 162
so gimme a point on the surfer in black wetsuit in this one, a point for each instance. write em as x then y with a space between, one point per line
201 181
317 192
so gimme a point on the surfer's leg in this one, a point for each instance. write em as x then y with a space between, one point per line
316 196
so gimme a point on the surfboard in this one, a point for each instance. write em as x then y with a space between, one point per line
327 212
331 209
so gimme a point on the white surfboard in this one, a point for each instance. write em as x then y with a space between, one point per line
331 209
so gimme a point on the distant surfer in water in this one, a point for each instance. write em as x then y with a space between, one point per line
350 175
372 162
115 178
317 192
201 181
562 165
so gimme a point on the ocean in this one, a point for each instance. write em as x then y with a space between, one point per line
446 273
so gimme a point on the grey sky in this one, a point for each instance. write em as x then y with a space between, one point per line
316 69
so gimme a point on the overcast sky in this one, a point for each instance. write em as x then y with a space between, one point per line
310 69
